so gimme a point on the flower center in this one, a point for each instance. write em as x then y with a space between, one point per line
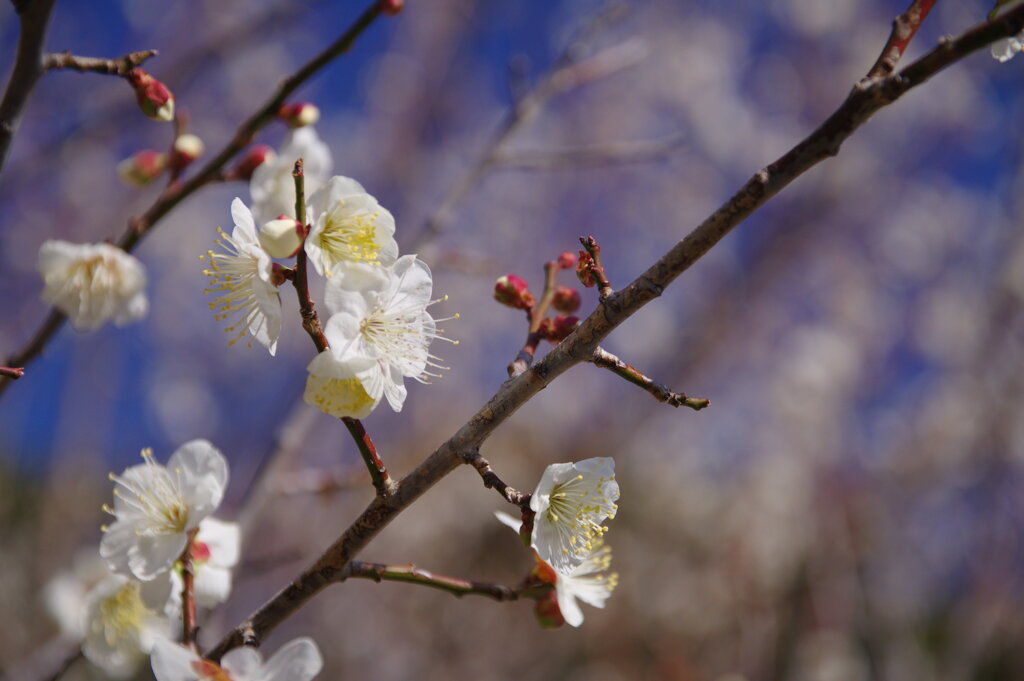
121 615
154 494
577 507
350 236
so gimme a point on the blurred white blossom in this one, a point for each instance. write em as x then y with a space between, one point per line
298 660
93 283
215 552
272 186
119 629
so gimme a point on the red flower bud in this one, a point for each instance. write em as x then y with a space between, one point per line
567 260
556 330
566 299
513 291
155 100
186 148
299 114
256 156
391 7
142 167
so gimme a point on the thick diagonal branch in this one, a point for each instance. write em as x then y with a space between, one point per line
865 99
659 391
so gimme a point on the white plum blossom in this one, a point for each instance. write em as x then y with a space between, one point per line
1005 49
571 502
66 592
298 660
242 278
272 186
348 225
379 333
93 283
156 507
215 551
589 582
118 627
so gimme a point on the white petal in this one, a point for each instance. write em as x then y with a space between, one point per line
223 539
202 472
243 664
153 554
173 662
245 227
157 592
567 605
297 661
509 520
115 545
394 387
212 585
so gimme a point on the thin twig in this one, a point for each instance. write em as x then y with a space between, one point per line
660 392
112 67
139 226
13 373
379 572
536 315
28 67
865 100
310 319
904 27
612 153
492 481
379 475
604 287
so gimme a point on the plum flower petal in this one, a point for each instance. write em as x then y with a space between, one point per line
272 186
93 283
155 507
348 225
589 582
241 278
299 660
571 502
119 629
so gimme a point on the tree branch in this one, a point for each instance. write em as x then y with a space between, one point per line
139 226
28 67
904 28
865 99
112 67
492 481
411 574
660 392
379 475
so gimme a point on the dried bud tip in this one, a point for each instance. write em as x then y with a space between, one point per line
142 167
256 156
513 291
187 148
299 114
391 7
282 238
155 100
567 260
566 299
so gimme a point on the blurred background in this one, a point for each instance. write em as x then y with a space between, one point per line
850 507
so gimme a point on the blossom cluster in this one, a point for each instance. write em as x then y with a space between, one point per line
378 331
568 508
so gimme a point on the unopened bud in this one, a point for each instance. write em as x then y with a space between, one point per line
391 7
583 271
282 238
566 299
567 260
513 291
299 114
558 329
187 148
155 100
256 156
142 167
547 612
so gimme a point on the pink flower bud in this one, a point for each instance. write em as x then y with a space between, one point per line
187 148
254 157
566 299
513 291
282 238
299 114
142 167
556 330
567 260
391 7
155 100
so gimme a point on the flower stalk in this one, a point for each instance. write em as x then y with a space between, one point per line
188 601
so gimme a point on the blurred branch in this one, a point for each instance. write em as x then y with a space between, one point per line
28 67
14 373
612 153
139 226
113 67
866 98
568 73
904 28
492 481
411 574
607 360
536 315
